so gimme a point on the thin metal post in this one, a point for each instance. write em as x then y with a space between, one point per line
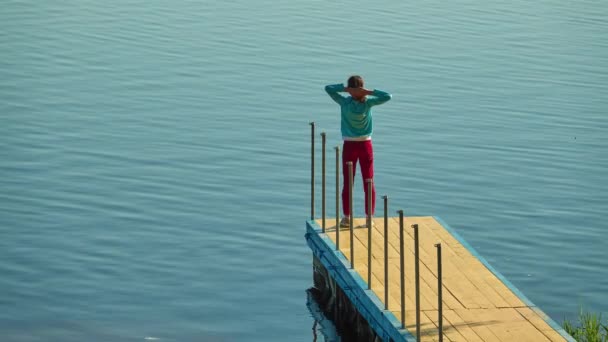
402 268
385 198
337 197
417 275
439 292
369 232
312 170
323 181
350 204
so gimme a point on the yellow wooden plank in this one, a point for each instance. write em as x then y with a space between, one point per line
378 275
378 242
553 336
427 300
395 299
449 331
428 296
511 298
428 327
395 287
514 325
536 320
539 323
482 324
489 277
456 286
497 295
428 330
428 260
428 293
491 311
360 252
455 321
492 287
503 325
480 329
377 286
456 263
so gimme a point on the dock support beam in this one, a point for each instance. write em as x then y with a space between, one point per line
323 181
417 275
337 198
350 214
385 198
370 184
402 268
312 170
439 293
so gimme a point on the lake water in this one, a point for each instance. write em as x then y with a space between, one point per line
154 155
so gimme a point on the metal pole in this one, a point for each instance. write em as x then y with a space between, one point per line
402 268
323 181
350 204
369 232
385 198
439 292
417 264
312 170
337 197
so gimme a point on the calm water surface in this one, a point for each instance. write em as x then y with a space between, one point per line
154 154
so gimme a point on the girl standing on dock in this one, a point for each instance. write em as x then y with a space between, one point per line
356 125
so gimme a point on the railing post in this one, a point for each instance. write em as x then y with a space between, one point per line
312 170
385 198
402 268
417 275
323 181
439 293
337 197
369 231
350 204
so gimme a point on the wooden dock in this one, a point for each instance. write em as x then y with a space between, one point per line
479 304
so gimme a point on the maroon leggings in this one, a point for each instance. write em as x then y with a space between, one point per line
364 153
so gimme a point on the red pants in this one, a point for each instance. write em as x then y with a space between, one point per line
364 153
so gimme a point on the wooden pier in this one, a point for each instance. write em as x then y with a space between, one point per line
478 303
426 271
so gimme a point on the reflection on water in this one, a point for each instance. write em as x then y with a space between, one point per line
322 326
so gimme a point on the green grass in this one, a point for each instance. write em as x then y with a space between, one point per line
589 328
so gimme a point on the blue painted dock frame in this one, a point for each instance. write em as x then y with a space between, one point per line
383 322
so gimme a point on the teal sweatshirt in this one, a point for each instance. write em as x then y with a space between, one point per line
356 122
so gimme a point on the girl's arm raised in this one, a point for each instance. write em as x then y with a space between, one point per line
333 90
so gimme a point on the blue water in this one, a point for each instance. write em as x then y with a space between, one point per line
154 155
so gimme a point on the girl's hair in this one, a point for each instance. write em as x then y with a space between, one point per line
355 82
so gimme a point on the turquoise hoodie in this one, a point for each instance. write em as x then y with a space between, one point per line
356 119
